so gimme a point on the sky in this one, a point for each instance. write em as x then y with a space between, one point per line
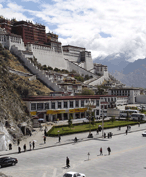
103 27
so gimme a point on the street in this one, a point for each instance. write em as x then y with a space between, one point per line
127 158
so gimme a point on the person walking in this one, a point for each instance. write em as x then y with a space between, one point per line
30 145
59 138
24 147
126 131
109 150
101 151
19 149
18 142
44 139
33 144
10 146
67 162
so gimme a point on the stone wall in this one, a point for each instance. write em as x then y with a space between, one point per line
48 56
78 69
40 74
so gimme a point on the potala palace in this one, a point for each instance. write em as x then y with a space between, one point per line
28 40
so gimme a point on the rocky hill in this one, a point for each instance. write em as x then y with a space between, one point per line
13 87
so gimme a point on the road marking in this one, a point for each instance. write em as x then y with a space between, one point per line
54 172
44 174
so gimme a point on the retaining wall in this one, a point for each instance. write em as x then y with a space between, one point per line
34 69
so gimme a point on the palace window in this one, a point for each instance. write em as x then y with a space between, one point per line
65 104
82 103
53 105
33 106
77 104
46 105
59 105
39 106
71 104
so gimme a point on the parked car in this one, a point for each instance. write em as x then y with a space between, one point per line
6 161
73 174
144 133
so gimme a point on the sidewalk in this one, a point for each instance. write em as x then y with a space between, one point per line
38 135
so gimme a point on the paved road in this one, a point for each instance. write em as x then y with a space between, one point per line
126 160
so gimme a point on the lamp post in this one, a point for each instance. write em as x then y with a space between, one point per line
102 124
89 109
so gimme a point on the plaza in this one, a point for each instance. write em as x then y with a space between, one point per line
127 156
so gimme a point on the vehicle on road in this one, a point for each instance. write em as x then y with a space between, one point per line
144 133
124 113
7 161
137 116
73 174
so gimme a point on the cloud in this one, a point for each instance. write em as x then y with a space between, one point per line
83 23
35 1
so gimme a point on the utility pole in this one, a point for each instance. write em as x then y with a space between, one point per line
102 124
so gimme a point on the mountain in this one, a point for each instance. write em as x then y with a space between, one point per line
115 62
138 64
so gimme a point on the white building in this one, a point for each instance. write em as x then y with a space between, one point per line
132 93
62 107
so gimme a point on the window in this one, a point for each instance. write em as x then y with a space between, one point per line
33 106
97 112
65 104
97 102
59 105
77 103
53 105
71 104
82 103
39 106
46 105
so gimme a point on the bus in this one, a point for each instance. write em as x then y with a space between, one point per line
137 116
123 113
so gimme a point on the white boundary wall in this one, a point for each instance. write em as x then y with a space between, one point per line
48 56
34 69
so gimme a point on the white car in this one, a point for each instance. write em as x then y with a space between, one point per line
144 133
73 174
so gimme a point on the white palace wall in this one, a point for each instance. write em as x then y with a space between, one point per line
47 56
40 74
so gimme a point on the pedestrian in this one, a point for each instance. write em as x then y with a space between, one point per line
10 146
18 142
24 147
19 149
30 145
109 150
59 138
126 131
67 162
111 134
101 151
104 135
33 144
44 139
97 131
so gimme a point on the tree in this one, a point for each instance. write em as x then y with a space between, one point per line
100 91
70 121
87 91
127 117
93 119
112 119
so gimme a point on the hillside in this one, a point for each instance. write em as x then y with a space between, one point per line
13 88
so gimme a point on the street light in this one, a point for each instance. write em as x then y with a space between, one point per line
89 109
102 124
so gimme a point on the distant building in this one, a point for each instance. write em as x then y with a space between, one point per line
132 93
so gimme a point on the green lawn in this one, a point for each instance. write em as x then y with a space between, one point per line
64 130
